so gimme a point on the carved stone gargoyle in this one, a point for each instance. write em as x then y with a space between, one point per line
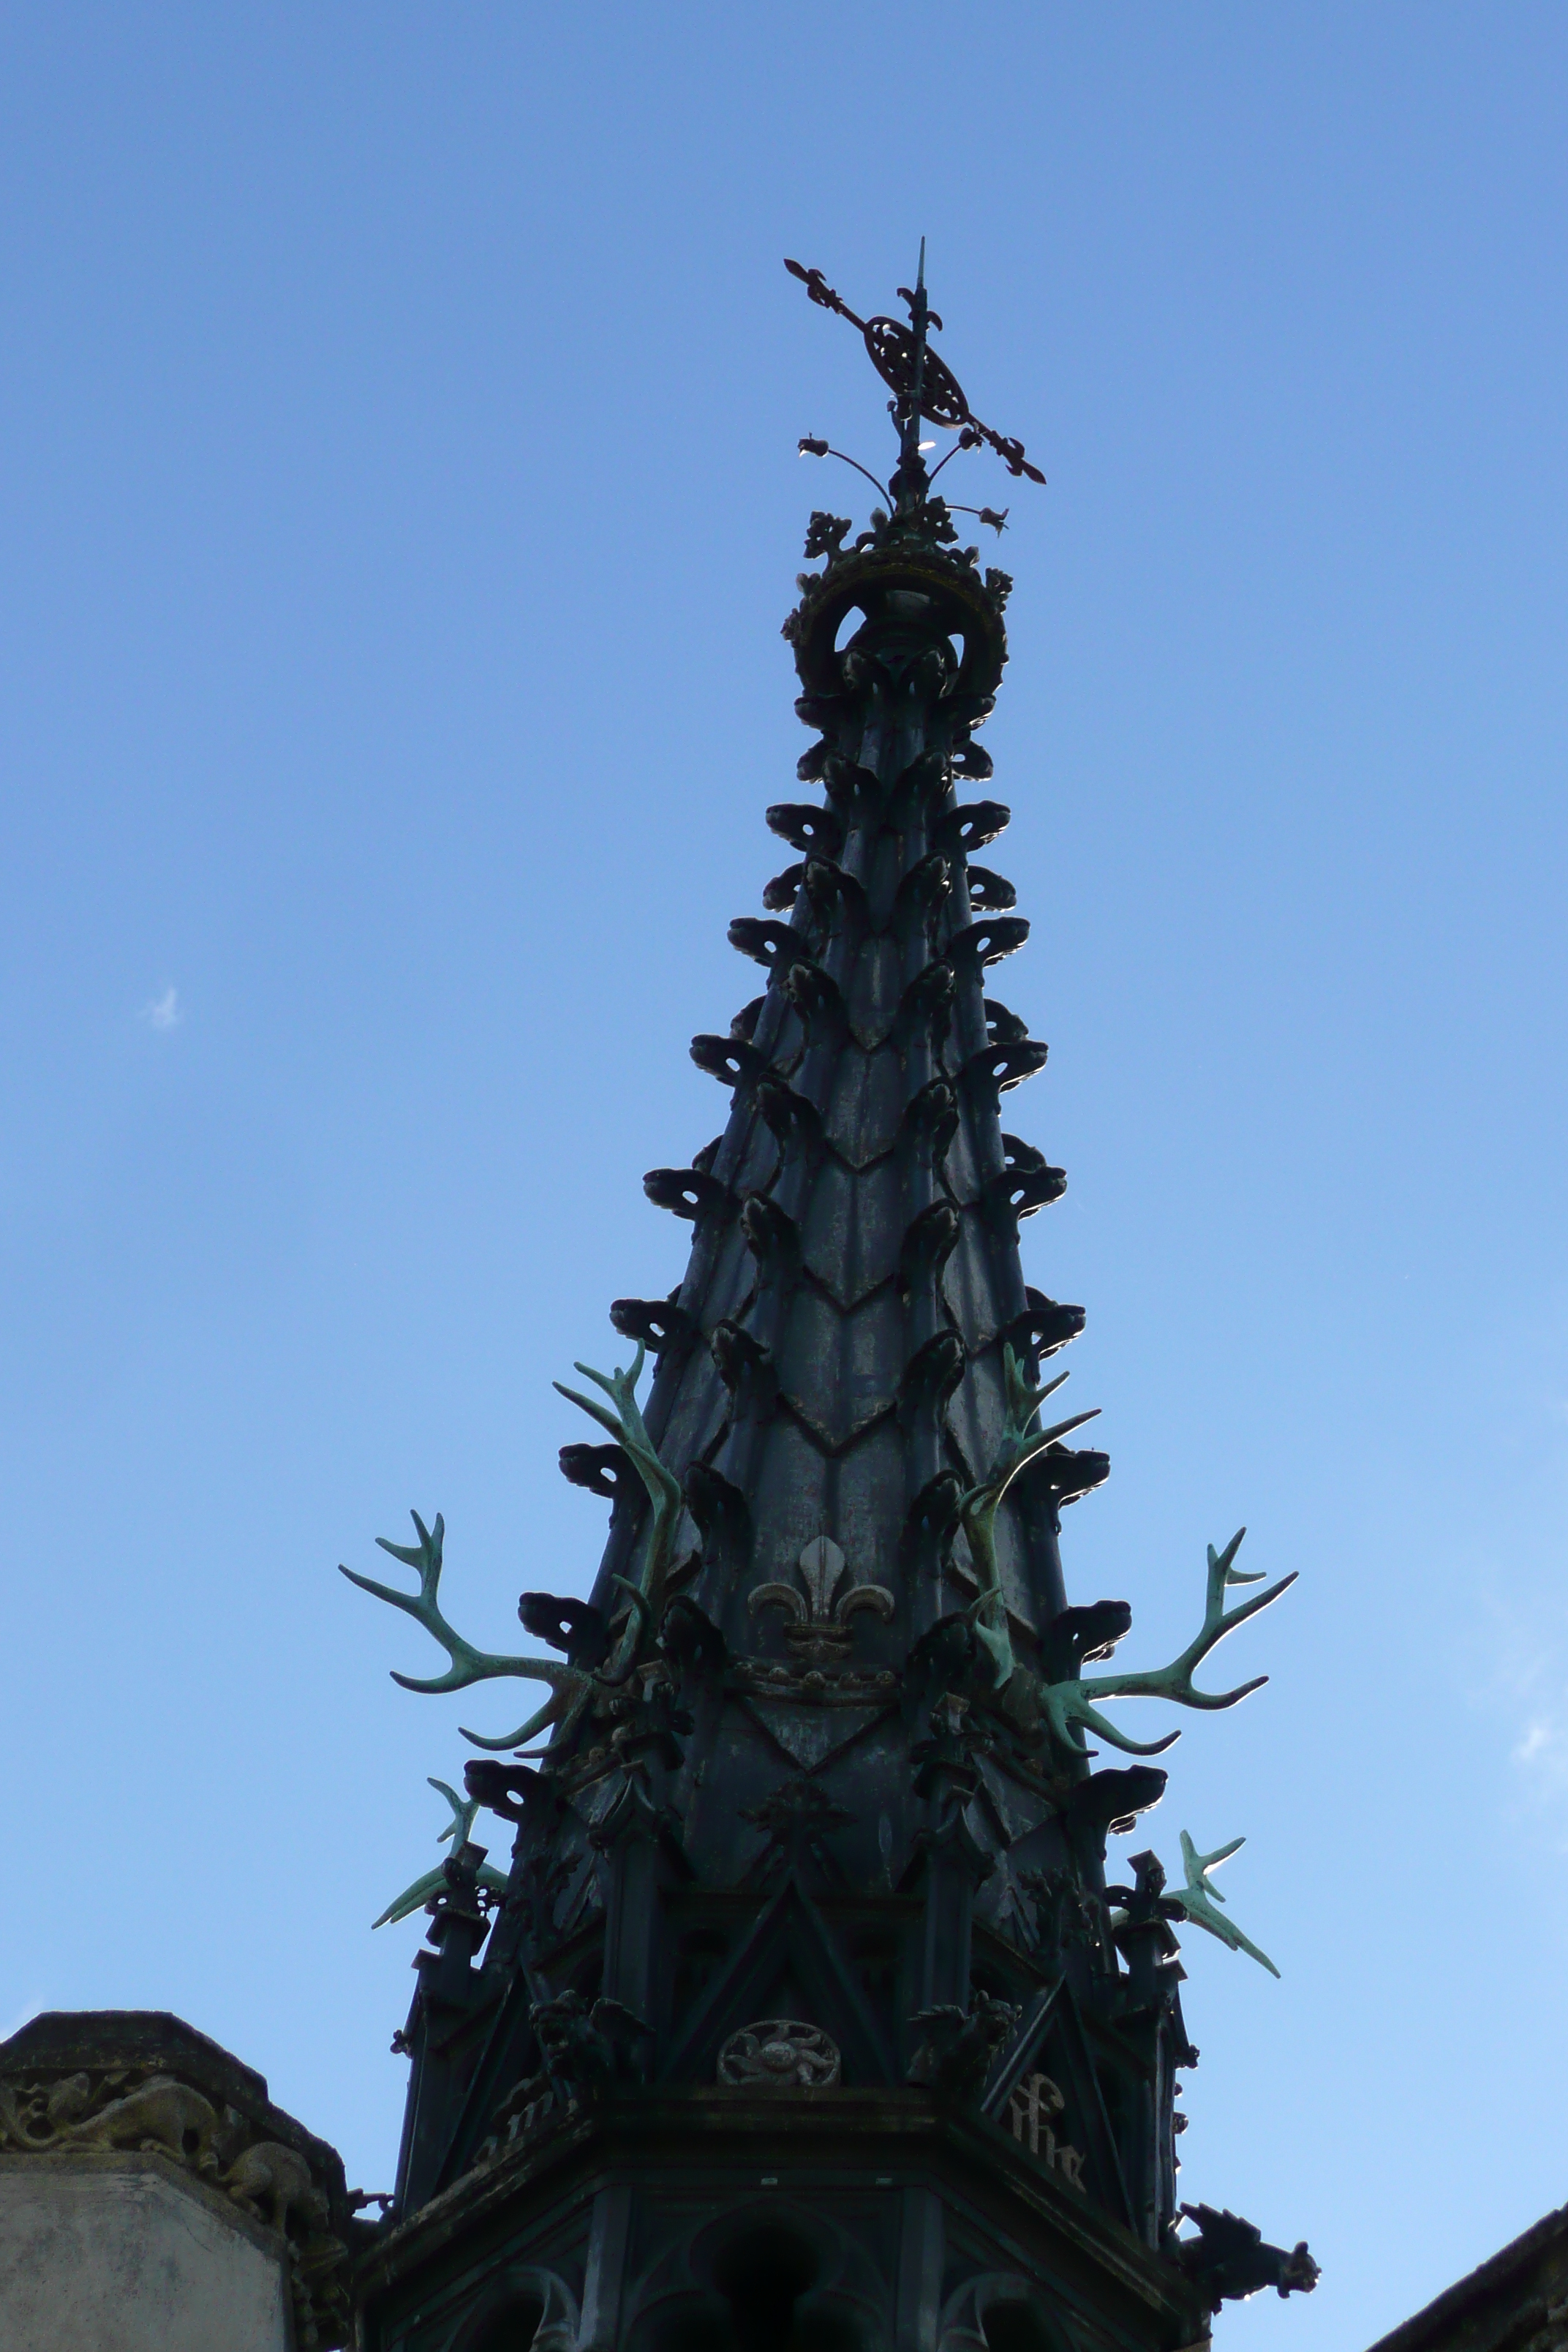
1229 2259
956 2047
585 2049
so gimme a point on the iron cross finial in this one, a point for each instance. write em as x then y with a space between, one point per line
921 383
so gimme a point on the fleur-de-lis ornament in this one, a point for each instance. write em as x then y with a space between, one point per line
818 1626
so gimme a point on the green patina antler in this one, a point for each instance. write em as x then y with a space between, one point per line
1022 1439
646 1592
1070 1705
467 1664
414 1897
1197 1898
571 1686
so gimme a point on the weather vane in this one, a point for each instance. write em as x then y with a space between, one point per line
922 383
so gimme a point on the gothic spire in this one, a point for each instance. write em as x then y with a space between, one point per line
818 1813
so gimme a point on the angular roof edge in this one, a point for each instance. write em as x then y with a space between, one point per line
1452 2318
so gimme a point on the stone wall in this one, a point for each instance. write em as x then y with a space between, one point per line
125 2252
152 2196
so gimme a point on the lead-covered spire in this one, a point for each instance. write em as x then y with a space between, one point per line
819 1810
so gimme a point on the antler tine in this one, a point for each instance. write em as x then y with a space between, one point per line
613 1421
414 1897
463 1811
1039 1439
1021 1441
978 1509
1068 1706
1069 1715
1175 1681
467 1664
627 1424
1023 1399
1197 1898
556 1706
570 1687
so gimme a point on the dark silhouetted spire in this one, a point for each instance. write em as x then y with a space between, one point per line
805 1991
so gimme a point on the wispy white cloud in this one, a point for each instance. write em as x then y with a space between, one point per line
1528 1686
165 1011
1519 1625
1540 1753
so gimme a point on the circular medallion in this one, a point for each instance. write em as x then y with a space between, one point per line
892 349
779 2054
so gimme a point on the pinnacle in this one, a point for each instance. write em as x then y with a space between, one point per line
828 1692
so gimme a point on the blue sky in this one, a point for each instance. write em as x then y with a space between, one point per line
399 502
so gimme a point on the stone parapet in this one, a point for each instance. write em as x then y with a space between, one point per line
152 2195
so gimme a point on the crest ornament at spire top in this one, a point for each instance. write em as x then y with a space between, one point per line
922 383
